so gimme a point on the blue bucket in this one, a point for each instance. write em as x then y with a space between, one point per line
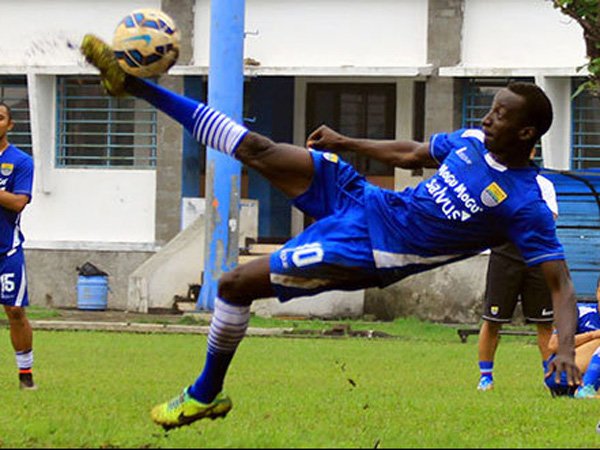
92 292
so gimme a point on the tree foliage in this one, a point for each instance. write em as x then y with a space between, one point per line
587 14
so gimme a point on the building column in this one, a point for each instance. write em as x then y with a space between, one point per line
170 133
558 137
444 38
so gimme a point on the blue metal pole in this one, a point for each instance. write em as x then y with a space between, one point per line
225 93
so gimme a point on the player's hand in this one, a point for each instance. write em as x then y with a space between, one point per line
324 138
564 363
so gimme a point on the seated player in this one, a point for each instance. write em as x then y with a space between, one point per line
587 352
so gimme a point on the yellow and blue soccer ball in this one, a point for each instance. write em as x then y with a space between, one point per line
146 43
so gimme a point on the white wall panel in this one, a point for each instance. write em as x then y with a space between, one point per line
93 205
326 33
520 33
36 32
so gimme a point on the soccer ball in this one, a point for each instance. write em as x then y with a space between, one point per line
146 43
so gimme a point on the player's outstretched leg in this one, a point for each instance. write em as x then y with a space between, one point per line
288 167
230 318
208 126
204 398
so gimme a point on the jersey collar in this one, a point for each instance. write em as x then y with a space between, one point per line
494 164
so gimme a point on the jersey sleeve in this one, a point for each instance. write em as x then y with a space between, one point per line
534 232
548 193
442 144
23 181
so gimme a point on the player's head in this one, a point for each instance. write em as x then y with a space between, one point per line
6 122
519 116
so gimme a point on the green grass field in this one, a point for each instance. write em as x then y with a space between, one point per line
416 390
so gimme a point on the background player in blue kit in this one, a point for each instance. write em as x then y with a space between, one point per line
483 194
587 352
16 180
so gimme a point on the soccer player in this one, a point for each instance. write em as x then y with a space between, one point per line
587 352
483 194
509 280
16 180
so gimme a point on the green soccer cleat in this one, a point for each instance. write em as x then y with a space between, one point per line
183 410
485 384
585 391
101 55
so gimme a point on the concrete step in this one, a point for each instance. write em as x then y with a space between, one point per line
185 306
243 259
263 249
257 251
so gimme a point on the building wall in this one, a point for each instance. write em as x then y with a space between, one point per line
132 213
519 34
87 205
38 30
335 33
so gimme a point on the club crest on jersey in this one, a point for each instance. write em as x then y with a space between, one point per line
331 157
493 195
6 169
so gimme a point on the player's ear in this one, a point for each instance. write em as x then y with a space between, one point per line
527 133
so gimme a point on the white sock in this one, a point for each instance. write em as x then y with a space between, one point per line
227 327
216 130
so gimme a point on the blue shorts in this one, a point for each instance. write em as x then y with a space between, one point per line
13 279
334 253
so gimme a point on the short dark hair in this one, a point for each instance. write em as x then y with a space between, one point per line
538 108
8 110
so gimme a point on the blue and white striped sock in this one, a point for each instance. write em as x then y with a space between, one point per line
24 360
486 369
208 126
227 329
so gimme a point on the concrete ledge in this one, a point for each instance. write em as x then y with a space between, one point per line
326 305
127 327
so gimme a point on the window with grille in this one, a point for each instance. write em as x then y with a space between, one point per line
96 130
478 96
13 92
360 110
585 130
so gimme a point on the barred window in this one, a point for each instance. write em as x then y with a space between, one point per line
478 96
586 129
96 130
13 92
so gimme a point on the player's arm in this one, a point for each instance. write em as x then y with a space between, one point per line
13 202
559 282
580 339
405 154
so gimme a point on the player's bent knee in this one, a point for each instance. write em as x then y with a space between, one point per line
252 146
233 288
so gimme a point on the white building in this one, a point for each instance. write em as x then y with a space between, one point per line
112 175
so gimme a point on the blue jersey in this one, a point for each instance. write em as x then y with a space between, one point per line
472 203
16 176
588 318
